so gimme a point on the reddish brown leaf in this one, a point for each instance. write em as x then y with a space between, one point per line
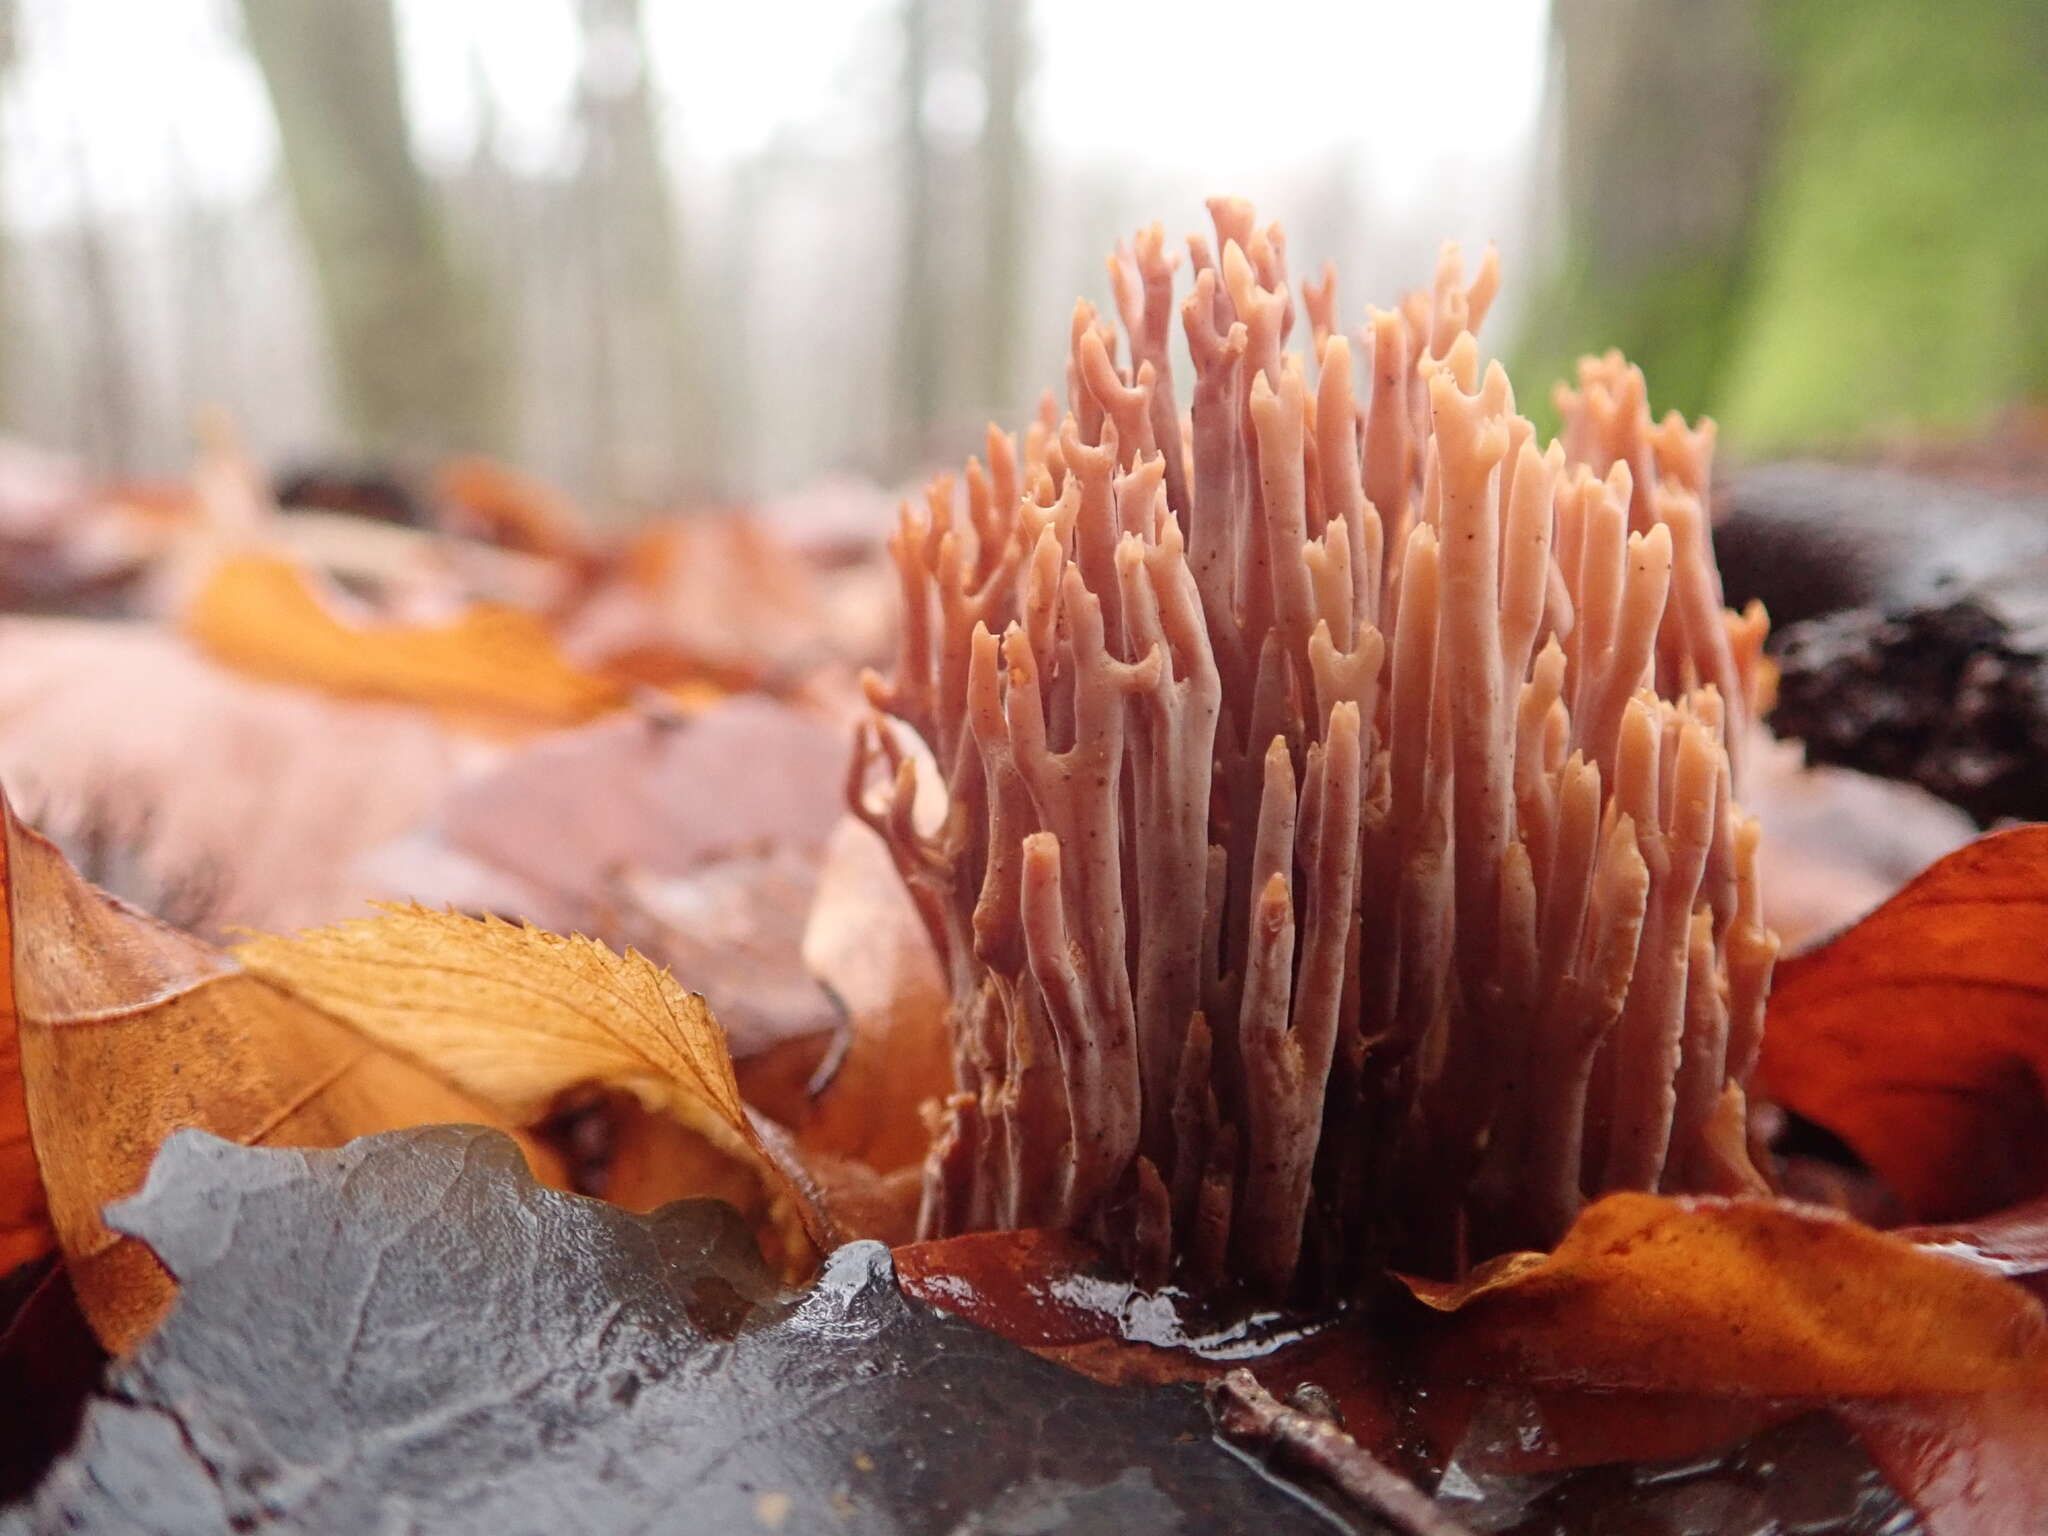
24 1216
1758 1298
484 499
713 598
1920 1036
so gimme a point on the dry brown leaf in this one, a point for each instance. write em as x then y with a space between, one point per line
1750 1297
211 799
266 617
1920 1036
517 1016
130 1030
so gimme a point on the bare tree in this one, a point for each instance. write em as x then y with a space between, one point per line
659 428
1005 176
919 322
418 355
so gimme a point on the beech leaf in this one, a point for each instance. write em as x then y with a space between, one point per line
1920 1036
1753 1297
410 1334
130 1030
516 1015
264 616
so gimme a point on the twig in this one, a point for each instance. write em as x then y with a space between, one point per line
1252 1419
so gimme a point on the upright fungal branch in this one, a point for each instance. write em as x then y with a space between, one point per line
1339 860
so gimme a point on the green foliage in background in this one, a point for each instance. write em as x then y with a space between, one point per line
1824 223
1900 257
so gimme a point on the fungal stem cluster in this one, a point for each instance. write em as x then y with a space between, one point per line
1339 858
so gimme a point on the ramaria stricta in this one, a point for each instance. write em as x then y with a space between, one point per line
1339 860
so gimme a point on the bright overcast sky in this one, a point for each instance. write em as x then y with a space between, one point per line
149 94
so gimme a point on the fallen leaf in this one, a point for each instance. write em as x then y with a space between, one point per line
1920 1036
66 544
1500 1451
612 1371
25 1233
130 1030
265 616
717 598
1941 1367
210 799
1840 841
733 928
486 500
516 1016
1747 1297
866 943
2012 1242
653 791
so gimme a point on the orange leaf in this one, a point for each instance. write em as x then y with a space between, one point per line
130 1030
266 617
1941 1367
1757 1298
1920 1036
24 1217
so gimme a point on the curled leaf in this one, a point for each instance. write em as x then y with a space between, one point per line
130 1030
265 617
1920 1036
516 1016
1745 1297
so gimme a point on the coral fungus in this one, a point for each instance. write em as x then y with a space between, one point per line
1339 860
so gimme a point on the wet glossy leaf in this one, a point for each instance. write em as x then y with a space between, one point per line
409 1333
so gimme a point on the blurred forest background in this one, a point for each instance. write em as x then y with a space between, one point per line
667 252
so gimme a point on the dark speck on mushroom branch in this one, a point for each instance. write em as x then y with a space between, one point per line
1340 862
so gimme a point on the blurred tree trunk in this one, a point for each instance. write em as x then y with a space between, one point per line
419 359
661 428
1005 174
1826 224
106 377
918 317
1664 129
